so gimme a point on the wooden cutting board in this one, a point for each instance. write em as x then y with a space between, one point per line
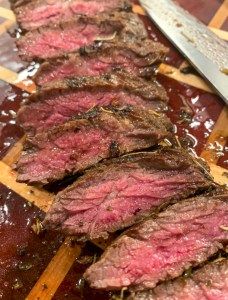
208 130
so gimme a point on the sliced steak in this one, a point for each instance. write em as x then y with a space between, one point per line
182 236
43 12
57 40
60 100
122 191
138 58
209 282
80 143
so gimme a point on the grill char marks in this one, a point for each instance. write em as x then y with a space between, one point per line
60 100
119 193
80 143
209 282
42 12
182 236
137 58
57 40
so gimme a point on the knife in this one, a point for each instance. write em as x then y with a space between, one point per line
205 51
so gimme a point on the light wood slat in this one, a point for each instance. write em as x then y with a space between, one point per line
13 154
220 16
219 134
137 9
7 14
13 78
220 174
55 272
189 79
220 33
5 26
36 196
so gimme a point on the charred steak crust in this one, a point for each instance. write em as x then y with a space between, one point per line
183 236
47 42
33 14
164 158
143 48
118 80
138 58
86 140
92 207
58 101
205 283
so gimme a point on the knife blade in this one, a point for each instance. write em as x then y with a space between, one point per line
205 51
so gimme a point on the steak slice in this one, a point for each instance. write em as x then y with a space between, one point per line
184 235
43 12
57 40
138 58
80 143
120 192
60 100
209 282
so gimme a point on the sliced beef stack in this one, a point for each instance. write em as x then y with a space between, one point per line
120 192
98 100
58 101
209 282
183 236
65 37
138 58
87 139
43 12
